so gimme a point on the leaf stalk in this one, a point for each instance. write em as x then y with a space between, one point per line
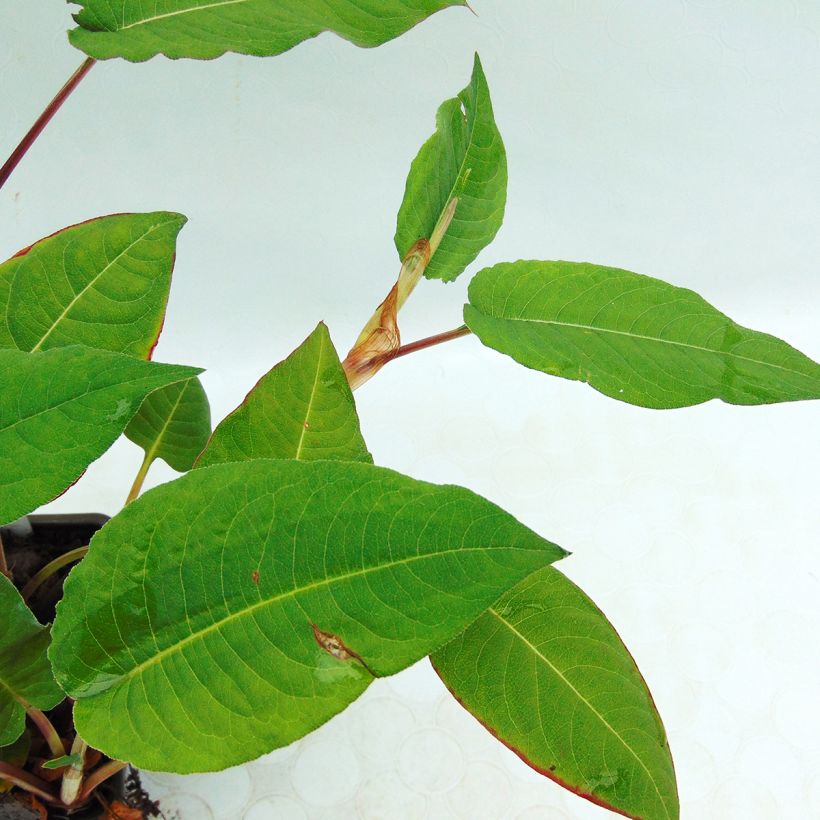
100 775
28 782
136 487
50 569
45 727
43 120
431 341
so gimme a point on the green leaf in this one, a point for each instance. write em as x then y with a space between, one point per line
173 424
465 158
25 672
196 636
548 675
102 283
63 761
633 338
302 409
62 409
208 28
15 753
6 339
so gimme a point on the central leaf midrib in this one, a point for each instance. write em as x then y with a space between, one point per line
179 12
569 684
657 339
201 634
462 165
151 454
93 282
313 391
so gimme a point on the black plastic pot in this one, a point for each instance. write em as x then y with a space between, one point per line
29 544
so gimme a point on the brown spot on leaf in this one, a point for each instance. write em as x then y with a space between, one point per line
255 577
335 647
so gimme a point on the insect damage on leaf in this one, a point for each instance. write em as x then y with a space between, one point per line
335 647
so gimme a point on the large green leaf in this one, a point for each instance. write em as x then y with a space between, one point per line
62 409
237 608
137 30
6 339
173 424
465 158
302 408
25 672
102 283
634 338
547 674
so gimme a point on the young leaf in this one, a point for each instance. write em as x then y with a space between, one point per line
208 28
302 408
548 675
25 673
464 159
633 338
196 636
102 283
173 424
63 761
62 409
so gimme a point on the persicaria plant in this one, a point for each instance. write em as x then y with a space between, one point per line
235 609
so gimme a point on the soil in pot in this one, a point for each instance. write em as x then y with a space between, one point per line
30 544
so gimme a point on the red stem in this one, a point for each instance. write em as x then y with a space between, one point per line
27 781
47 730
99 775
430 341
44 119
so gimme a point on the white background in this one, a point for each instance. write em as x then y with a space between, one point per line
678 139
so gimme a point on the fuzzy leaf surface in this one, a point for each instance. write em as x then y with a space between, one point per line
631 337
62 409
302 408
138 30
173 424
25 672
546 673
465 158
103 284
198 636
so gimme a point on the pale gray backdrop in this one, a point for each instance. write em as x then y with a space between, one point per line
678 139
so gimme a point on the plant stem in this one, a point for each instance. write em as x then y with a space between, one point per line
422 344
29 782
47 730
380 338
99 775
43 120
431 341
50 568
73 775
136 487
